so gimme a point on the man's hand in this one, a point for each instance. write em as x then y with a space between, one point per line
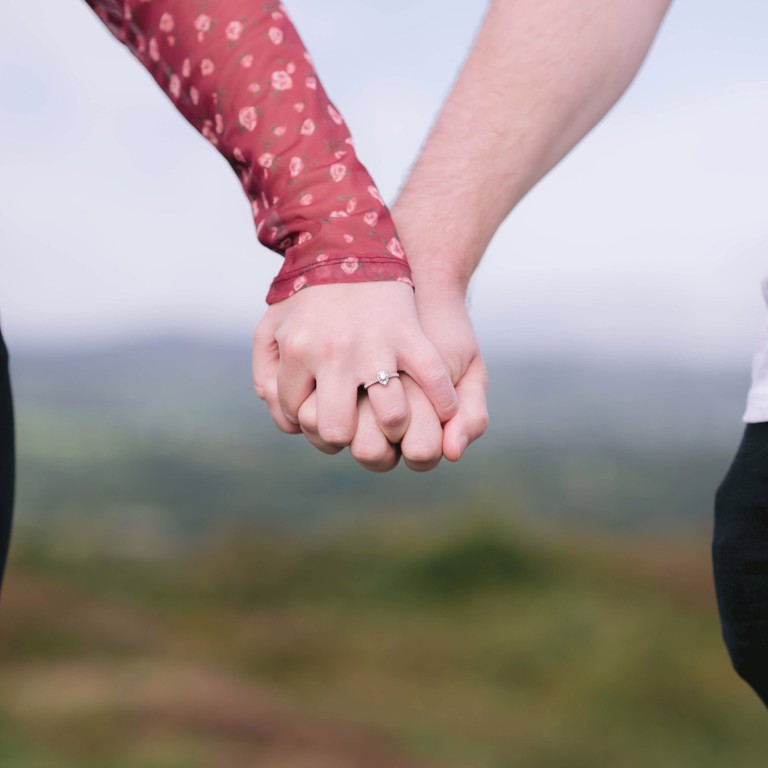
331 339
447 325
441 286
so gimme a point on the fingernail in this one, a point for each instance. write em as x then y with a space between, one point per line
463 443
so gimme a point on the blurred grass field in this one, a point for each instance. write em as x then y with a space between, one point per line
478 645
190 589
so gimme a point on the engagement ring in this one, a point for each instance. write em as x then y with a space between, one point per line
382 377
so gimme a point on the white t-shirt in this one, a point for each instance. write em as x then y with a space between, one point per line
757 400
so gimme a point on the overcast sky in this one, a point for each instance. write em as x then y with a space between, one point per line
648 242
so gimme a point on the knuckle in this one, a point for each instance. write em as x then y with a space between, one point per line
295 347
336 436
329 450
421 466
266 391
308 423
367 452
422 453
260 390
339 342
436 375
482 421
394 417
281 423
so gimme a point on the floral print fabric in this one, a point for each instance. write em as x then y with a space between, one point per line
239 73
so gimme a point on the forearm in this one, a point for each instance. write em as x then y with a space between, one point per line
239 73
540 75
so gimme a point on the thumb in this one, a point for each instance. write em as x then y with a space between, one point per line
471 419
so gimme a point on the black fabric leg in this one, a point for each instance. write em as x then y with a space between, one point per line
7 458
740 558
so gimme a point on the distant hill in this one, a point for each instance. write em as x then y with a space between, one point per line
170 432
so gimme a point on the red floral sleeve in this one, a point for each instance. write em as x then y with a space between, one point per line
238 72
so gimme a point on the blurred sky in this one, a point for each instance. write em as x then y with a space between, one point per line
648 242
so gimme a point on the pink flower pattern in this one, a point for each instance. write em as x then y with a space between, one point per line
338 171
281 80
234 30
203 23
248 118
350 265
296 166
275 125
394 247
166 23
174 86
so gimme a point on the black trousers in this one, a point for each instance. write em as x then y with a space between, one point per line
740 558
7 458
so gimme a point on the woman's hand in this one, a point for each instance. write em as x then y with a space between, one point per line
330 340
421 447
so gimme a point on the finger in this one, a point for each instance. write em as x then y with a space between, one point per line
369 446
425 366
265 364
336 406
295 383
308 424
390 407
422 445
471 421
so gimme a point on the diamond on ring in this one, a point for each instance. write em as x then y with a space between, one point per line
382 377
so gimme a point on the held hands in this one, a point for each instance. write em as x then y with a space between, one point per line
313 351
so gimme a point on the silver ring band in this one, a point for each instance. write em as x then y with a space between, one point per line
382 377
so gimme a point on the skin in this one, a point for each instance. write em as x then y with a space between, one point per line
539 76
330 340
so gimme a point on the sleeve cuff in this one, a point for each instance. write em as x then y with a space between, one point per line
338 268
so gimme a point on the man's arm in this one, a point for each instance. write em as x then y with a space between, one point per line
540 75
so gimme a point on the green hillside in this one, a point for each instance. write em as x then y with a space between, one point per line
189 588
473 645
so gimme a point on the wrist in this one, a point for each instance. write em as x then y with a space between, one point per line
441 261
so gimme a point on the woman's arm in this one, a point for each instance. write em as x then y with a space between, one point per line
237 70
